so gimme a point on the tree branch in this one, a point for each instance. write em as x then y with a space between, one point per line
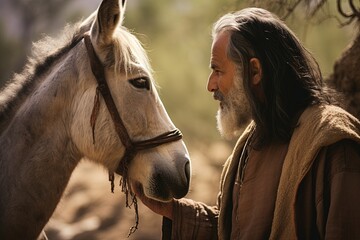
353 8
341 10
355 13
291 9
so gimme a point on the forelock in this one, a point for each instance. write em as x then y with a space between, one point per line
129 52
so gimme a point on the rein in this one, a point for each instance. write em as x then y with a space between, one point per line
131 147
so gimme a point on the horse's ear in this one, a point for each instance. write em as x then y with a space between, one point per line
109 15
87 23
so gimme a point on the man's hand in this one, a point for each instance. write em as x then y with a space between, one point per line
161 208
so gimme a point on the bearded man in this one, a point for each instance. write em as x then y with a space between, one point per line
295 170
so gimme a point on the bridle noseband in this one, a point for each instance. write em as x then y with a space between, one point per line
131 147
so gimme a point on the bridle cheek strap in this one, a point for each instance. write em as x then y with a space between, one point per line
131 148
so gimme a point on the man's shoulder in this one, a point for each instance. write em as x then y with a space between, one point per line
325 113
328 124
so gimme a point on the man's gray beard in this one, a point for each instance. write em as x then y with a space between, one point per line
235 112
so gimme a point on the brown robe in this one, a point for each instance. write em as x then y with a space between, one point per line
313 194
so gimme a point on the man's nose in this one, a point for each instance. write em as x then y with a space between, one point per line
212 85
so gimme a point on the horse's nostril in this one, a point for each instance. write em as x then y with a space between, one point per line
187 171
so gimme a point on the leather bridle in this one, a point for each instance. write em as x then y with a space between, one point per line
131 147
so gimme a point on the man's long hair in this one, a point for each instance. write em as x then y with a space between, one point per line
291 77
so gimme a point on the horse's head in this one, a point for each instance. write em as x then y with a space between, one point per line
164 170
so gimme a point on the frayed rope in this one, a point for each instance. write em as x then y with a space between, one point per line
129 195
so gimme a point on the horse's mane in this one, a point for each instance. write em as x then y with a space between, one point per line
44 53
127 48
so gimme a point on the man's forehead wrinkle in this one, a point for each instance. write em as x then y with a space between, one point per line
215 60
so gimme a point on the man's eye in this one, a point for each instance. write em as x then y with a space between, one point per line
141 82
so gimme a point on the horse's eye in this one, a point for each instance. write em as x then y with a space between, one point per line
141 82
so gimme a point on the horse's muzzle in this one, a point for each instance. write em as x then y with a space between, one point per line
170 183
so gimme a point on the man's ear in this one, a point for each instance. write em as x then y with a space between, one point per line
256 71
109 15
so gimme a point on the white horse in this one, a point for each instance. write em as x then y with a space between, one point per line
54 114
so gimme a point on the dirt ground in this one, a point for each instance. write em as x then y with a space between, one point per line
88 209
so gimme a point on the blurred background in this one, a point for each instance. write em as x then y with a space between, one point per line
176 34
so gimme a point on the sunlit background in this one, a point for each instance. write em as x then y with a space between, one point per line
176 34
